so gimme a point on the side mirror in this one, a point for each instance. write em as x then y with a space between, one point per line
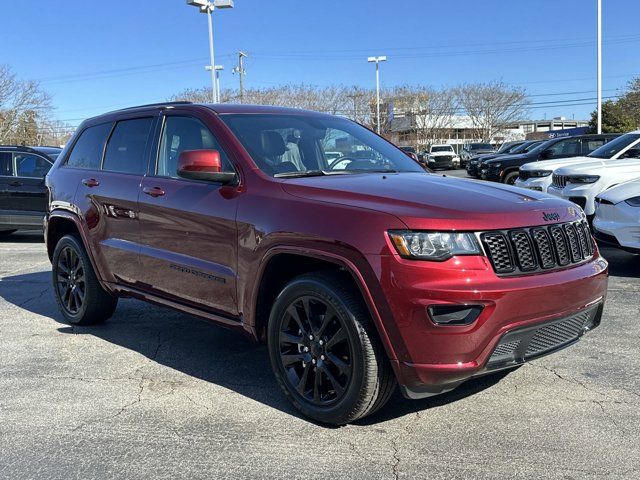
203 165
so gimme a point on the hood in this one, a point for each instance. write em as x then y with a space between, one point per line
622 192
507 158
486 156
429 201
443 154
629 167
556 163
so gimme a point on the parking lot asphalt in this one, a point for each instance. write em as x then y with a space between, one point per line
156 393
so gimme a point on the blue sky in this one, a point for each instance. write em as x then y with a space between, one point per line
125 52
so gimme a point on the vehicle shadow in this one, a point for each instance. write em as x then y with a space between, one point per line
198 348
621 263
23 236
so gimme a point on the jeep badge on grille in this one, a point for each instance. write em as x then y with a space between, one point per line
549 217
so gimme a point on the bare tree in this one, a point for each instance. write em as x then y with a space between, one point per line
492 106
23 104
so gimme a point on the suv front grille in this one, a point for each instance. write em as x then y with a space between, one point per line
525 250
559 181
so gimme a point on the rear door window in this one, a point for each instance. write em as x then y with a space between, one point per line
589 145
87 152
6 165
31 166
126 150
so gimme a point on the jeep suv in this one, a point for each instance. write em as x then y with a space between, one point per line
23 196
359 272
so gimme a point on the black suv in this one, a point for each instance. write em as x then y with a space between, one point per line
473 166
23 196
505 169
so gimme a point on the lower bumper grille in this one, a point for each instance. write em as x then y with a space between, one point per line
527 343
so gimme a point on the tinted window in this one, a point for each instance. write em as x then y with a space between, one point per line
5 164
589 145
87 152
30 165
127 145
185 133
611 148
565 148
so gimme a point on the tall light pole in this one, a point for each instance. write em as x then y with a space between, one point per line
208 7
599 61
240 71
218 69
377 61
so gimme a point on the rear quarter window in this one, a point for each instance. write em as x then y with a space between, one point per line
87 151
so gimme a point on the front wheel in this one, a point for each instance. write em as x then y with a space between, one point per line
79 295
510 178
325 352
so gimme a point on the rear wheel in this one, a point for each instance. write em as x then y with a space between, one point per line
79 295
325 352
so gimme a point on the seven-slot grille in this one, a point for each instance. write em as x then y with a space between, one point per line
525 250
559 181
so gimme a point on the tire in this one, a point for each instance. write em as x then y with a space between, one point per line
510 178
6 233
359 379
79 295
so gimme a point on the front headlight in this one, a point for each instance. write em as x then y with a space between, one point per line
539 173
583 179
494 165
436 246
633 201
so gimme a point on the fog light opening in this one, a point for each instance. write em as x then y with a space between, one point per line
454 314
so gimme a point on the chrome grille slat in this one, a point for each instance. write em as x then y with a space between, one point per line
559 181
527 250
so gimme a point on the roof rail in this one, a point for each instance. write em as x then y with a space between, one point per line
160 104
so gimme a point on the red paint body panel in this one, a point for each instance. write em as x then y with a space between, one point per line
203 247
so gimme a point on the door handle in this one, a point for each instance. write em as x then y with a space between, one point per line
16 183
153 191
90 182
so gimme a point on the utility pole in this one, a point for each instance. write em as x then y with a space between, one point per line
240 71
377 61
208 7
599 61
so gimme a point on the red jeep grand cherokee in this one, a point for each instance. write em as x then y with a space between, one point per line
360 271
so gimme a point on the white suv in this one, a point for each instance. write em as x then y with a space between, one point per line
617 220
537 175
581 183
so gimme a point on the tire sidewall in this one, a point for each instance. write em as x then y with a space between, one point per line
297 288
509 176
71 242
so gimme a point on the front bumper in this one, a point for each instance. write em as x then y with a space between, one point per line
581 194
618 225
436 358
539 184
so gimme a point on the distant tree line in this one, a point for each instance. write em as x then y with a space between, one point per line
491 106
621 115
25 113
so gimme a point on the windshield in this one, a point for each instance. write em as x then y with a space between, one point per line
527 147
304 145
481 146
445 148
508 147
609 149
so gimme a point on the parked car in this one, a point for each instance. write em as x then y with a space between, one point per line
582 183
470 150
357 278
442 156
23 199
537 175
505 169
411 152
473 165
617 216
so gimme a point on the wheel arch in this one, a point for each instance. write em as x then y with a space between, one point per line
281 265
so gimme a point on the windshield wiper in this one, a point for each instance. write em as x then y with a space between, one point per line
306 173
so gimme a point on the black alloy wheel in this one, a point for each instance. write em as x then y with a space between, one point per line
325 351
70 284
315 351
